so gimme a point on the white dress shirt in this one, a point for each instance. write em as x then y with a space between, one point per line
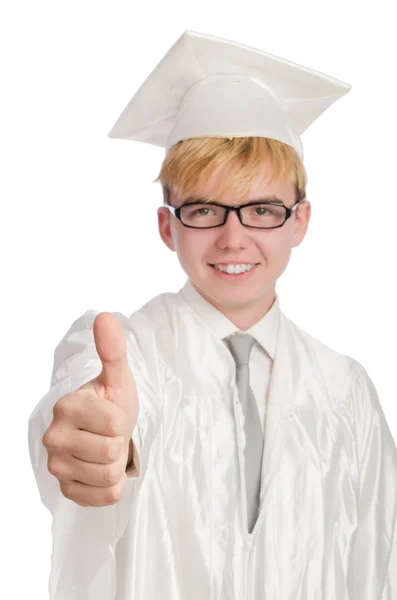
264 332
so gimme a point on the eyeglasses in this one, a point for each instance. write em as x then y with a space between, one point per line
259 215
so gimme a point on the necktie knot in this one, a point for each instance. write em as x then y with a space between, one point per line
240 348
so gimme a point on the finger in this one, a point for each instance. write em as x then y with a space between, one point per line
87 495
90 413
69 468
93 448
111 347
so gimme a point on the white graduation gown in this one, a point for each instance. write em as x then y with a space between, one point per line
327 521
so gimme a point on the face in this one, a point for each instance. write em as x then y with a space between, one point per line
246 298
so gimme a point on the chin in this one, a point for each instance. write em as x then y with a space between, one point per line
241 298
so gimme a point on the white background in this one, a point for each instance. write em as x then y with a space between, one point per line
78 210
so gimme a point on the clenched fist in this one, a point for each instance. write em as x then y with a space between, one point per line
88 441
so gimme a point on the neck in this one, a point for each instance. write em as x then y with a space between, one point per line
244 317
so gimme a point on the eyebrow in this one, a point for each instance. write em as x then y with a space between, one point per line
199 200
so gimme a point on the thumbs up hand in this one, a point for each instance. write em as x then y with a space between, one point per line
88 441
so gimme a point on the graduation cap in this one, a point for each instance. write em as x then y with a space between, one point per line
206 86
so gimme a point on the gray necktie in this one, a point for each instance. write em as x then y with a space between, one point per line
240 347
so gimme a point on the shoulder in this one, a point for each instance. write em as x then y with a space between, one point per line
316 350
159 318
158 310
341 374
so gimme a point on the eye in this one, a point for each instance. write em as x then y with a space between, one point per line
261 210
200 211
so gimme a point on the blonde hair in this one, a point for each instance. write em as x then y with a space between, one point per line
191 162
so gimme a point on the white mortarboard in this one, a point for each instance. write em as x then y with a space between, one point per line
207 86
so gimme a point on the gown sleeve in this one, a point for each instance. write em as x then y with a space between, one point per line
373 560
93 532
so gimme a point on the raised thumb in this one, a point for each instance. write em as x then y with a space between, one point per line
111 347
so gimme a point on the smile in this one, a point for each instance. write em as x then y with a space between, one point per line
234 268
234 271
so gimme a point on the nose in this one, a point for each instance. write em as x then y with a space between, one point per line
233 234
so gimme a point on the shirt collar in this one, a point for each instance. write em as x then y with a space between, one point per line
264 331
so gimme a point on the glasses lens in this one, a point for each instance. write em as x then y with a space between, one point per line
263 215
202 215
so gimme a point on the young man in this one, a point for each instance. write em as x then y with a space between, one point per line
260 463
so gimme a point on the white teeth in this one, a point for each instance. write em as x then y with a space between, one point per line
234 269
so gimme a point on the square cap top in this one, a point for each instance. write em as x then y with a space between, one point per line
206 86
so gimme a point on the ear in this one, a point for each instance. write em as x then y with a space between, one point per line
302 218
164 225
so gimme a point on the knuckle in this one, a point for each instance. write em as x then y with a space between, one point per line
48 440
111 475
51 440
54 466
110 450
61 409
114 494
67 490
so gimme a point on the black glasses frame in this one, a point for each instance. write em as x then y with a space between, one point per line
289 211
